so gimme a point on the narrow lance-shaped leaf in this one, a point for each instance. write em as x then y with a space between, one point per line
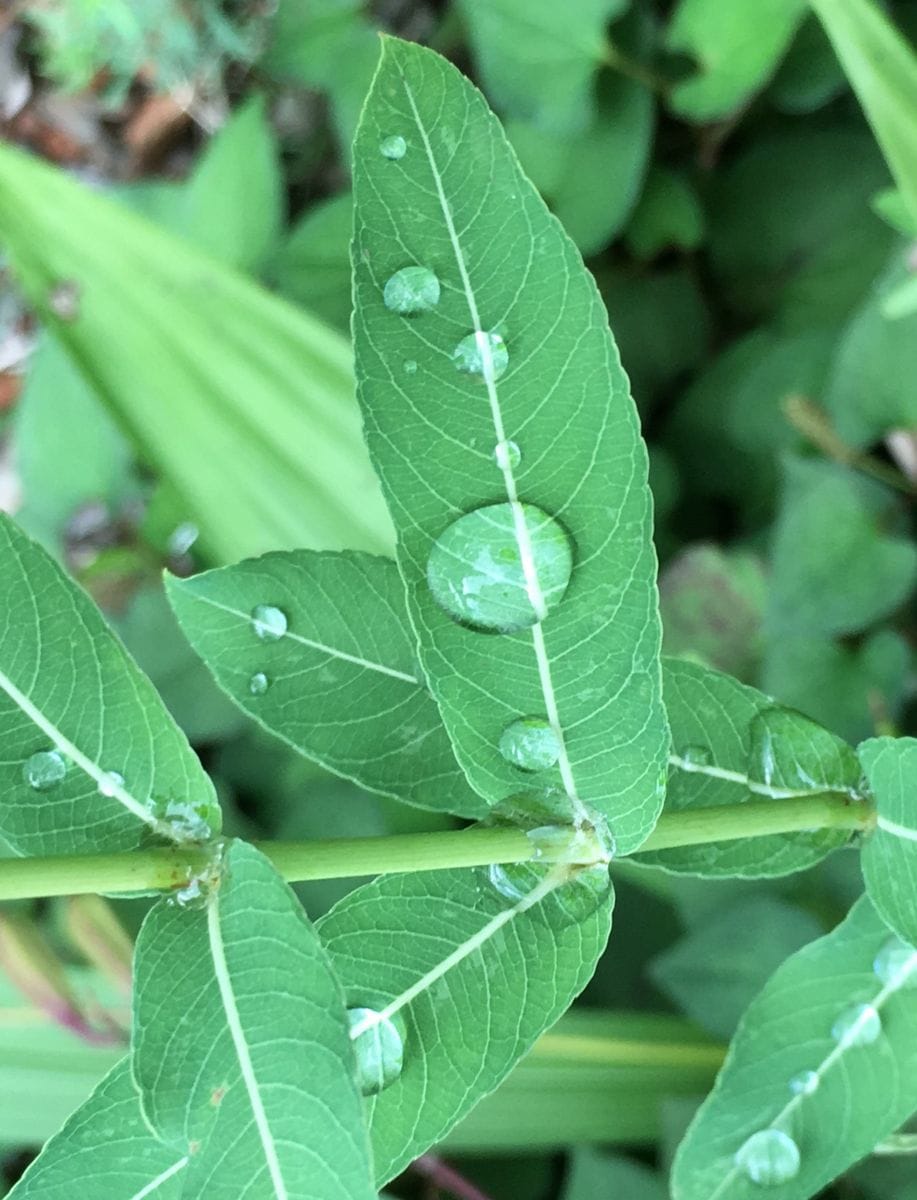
107 1151
890 851
474 966
733 744
241 1049
91 760
207 369
499 421
336 676
822 1068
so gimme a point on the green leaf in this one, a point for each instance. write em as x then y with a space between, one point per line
174 341
864 1077
890 852
593 1174
538 62
882 69
568 505
810 75
341 683
241 1049
714 971
732 745
668 215
474 976
312 266
737 49
831 529
105 1150
91 759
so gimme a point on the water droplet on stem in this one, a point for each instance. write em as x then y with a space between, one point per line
507 455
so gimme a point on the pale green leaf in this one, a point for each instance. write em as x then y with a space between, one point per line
714 971
455 203
106 1151
342 683
241 1049
890 851
738 47
312 265
882 69
113 768
863 1081
538 61
592 1175
733 745
474 976
203 368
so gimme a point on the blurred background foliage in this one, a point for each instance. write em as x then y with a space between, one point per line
175 391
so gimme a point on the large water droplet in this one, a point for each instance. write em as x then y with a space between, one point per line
695 756
258 684
481 354
896 964
805 1083
507 455
858 1025
477 571
270 622
378 1044
512 880
769 1157
393 147
111 780
44 770
531 743
574 899
411 290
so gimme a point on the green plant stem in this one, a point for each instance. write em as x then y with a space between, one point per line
166 869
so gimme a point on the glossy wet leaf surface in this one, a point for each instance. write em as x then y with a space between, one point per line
890 851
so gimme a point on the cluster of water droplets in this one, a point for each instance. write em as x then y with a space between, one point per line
269 624
771 1156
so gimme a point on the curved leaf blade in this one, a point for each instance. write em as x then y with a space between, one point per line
342 684
69 689
105 1150
861 1092
475 978
241 1049
457 204
890 852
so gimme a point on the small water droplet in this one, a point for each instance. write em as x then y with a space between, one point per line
482 354
190 823
531 744
896 964
696 756
270 622
410 366
805 1083
476 570
64 300
378 1044
112 780
44 770
182 538
769 1158
507 455
393 147
858 1025
258 684
411 290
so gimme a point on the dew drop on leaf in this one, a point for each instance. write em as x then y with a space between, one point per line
769 1158
477 573
270 622
188 822
695 756
112 780
393 147
511 880
410 366
574 900
896 964
44 770
480 354
530 744
258 684
378 1043
411 290
858 1025
507 455
805 1083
